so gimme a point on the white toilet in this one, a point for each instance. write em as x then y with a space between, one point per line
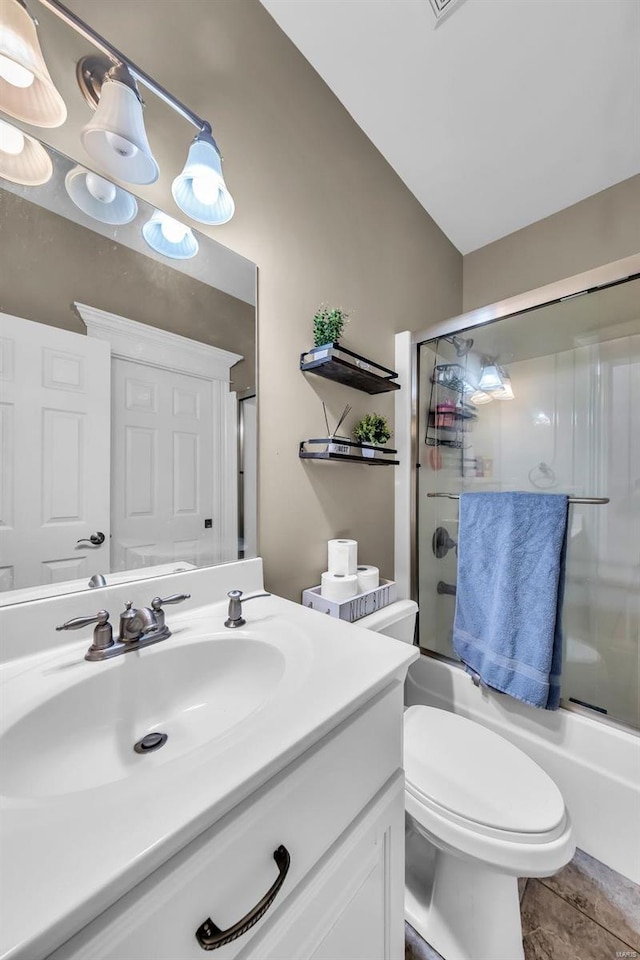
479 814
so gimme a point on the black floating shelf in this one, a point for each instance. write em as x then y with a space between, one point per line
383 457
337 363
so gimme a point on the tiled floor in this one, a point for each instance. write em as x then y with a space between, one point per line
415 947
586 912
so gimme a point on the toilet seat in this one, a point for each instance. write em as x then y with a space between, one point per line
476 777
474 793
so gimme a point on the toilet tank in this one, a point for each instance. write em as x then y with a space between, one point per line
397 620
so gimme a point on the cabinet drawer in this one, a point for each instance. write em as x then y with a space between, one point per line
225 872
351 906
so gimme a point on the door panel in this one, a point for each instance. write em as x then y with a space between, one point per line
162 433
54 479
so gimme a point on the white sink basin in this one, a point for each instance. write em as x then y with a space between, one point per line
83 736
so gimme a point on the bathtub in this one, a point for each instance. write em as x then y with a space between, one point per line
595 764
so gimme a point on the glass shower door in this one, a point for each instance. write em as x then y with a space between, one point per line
569 423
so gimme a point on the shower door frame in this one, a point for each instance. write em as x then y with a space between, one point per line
591 281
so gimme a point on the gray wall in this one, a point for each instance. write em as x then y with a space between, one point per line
48 262
598 230
325 219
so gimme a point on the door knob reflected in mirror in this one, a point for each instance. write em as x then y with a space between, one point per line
95 540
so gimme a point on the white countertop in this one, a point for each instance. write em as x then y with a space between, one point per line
67 857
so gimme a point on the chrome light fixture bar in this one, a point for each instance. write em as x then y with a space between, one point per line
117 57
200 190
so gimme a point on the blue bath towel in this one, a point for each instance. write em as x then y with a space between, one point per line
511 560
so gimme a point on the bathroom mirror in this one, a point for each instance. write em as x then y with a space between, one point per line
127 395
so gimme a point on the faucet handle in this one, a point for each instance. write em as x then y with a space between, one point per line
158 602
102 634
77 623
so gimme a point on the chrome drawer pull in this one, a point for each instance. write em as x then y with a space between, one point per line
211 937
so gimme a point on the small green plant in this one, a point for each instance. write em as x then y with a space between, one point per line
373 429
328 325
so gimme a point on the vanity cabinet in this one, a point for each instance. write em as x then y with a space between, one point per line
338 810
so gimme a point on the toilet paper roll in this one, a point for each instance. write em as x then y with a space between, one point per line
368 578
338 586
343 557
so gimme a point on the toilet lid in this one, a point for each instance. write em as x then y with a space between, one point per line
467 770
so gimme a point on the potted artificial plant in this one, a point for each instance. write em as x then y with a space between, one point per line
328 324
374 430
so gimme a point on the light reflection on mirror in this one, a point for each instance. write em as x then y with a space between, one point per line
127 392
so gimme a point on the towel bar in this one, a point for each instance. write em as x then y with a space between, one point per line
456 496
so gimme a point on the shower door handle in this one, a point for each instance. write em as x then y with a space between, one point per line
449 588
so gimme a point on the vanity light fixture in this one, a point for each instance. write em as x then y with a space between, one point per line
99 198
27 91
22 158
115 137
200 190
170 237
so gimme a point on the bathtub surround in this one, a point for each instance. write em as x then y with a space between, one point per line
507 627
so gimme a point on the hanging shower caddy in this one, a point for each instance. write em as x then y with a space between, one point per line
449 414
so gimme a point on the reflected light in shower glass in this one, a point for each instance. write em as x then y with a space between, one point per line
505 392
490 378
479 396
541 420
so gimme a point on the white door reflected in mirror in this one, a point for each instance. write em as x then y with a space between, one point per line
55 454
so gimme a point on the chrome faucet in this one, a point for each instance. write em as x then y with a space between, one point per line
135 624
138 628
236 599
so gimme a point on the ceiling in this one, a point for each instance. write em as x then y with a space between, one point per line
503 114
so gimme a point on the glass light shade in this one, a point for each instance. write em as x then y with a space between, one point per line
27 91
99 198
200 190
116 138
22 158
170 237
490 378
506 391
11 139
